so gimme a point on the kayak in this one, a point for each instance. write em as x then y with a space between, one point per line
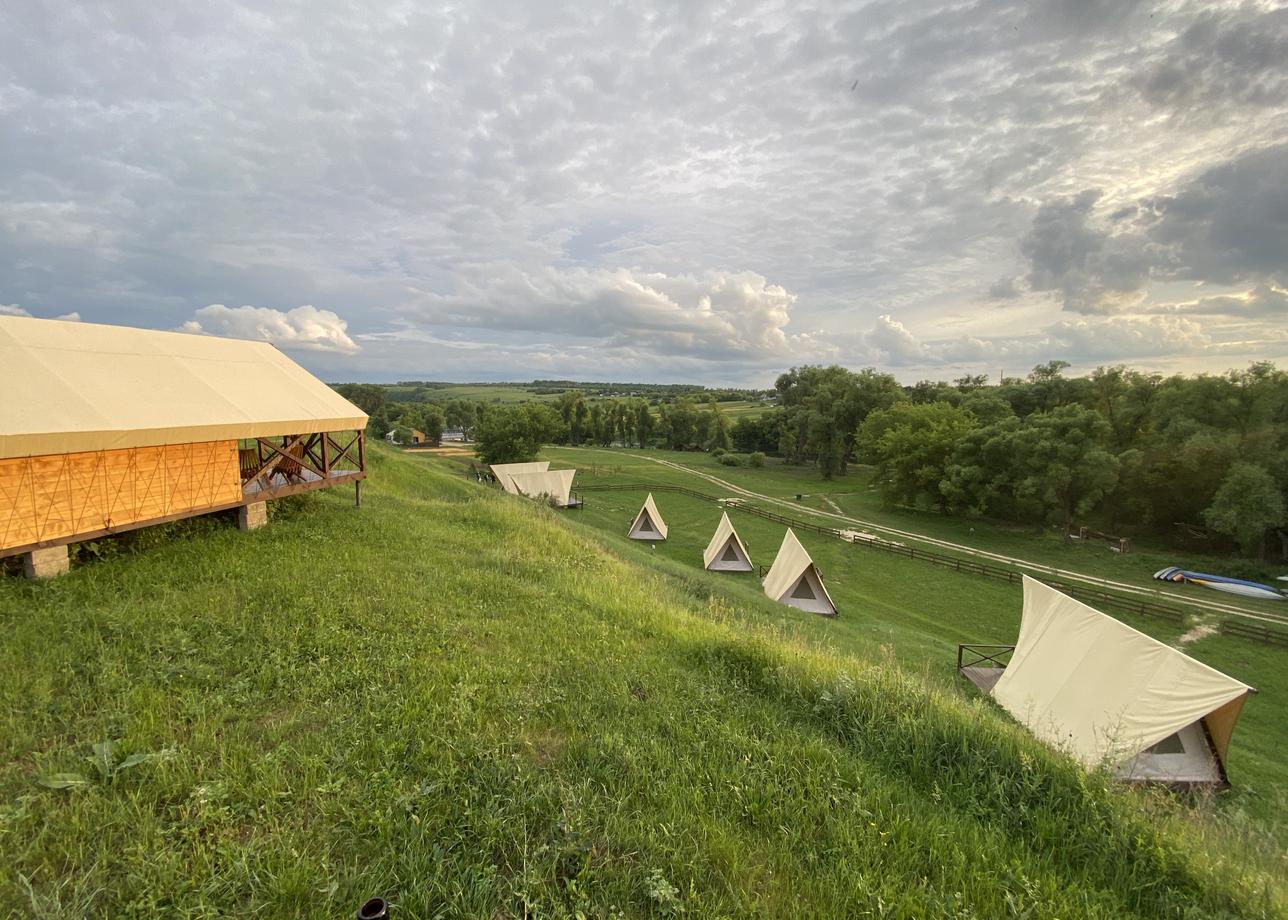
1221 583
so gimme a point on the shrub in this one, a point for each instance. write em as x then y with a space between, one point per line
756 459
717 452
731 460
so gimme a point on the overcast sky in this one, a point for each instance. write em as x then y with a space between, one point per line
653 191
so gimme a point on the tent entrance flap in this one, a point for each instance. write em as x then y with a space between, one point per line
730 554
1186 756
803 592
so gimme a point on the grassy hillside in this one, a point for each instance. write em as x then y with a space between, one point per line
463 702
905 611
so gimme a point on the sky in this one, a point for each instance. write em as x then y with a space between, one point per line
656 191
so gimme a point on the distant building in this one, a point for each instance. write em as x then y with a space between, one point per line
453 434
412 436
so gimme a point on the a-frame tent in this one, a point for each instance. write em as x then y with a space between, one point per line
555 485
648 524
726 552
794 580
503 471
1107 694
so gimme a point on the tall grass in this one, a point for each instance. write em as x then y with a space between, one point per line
453 699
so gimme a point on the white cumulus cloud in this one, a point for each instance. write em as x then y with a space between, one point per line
305 327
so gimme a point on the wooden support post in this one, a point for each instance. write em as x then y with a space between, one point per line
252 516
357 493
46 562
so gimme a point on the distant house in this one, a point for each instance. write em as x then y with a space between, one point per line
454 434
408 436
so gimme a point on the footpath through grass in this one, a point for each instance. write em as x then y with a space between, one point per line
458 700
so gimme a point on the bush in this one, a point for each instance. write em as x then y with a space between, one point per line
717 452
731 460
756 459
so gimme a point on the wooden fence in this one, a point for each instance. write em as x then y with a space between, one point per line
956 563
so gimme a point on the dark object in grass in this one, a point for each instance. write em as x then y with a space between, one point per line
374 909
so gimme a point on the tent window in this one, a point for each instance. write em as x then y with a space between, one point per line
646 523
730 554
803 591
1169 745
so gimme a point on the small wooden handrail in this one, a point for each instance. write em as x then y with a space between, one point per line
983 653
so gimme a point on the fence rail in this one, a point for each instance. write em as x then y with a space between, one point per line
956 563
1254 631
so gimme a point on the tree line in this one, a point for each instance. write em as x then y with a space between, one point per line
1119 448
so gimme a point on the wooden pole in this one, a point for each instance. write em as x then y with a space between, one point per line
357 493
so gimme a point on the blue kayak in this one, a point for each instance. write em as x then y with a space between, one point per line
1221 583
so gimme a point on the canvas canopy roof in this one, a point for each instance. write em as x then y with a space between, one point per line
648 524
72 387
726 551
555 484
502 472
794 580
1093 686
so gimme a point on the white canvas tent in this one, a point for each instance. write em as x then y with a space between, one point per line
503 471
794 580
1108 694
555 485
648 524
726 552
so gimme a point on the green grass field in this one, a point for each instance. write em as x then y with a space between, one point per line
854 495
479 707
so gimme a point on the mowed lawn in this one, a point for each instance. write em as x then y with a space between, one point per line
854 494
478 707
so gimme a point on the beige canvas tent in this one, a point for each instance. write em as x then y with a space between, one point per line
503 471
726 552
1107 694
648 524
108 428
794 580
555 485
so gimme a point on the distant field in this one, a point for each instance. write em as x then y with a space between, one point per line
476 392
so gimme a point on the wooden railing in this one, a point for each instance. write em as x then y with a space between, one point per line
993 654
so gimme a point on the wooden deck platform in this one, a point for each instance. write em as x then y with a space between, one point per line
984 678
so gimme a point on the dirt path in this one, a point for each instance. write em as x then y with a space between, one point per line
1203 604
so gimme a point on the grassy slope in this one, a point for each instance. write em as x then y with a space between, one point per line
453 698
916 614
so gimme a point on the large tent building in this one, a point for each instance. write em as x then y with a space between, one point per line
1112 696
107 428
726 552
794 580
648 524
503 471
552 485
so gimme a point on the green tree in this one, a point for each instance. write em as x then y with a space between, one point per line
1247 505
911 446
718 431
369 397
644 423
514 434
1062 464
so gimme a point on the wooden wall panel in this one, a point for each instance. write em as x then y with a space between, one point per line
59 496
